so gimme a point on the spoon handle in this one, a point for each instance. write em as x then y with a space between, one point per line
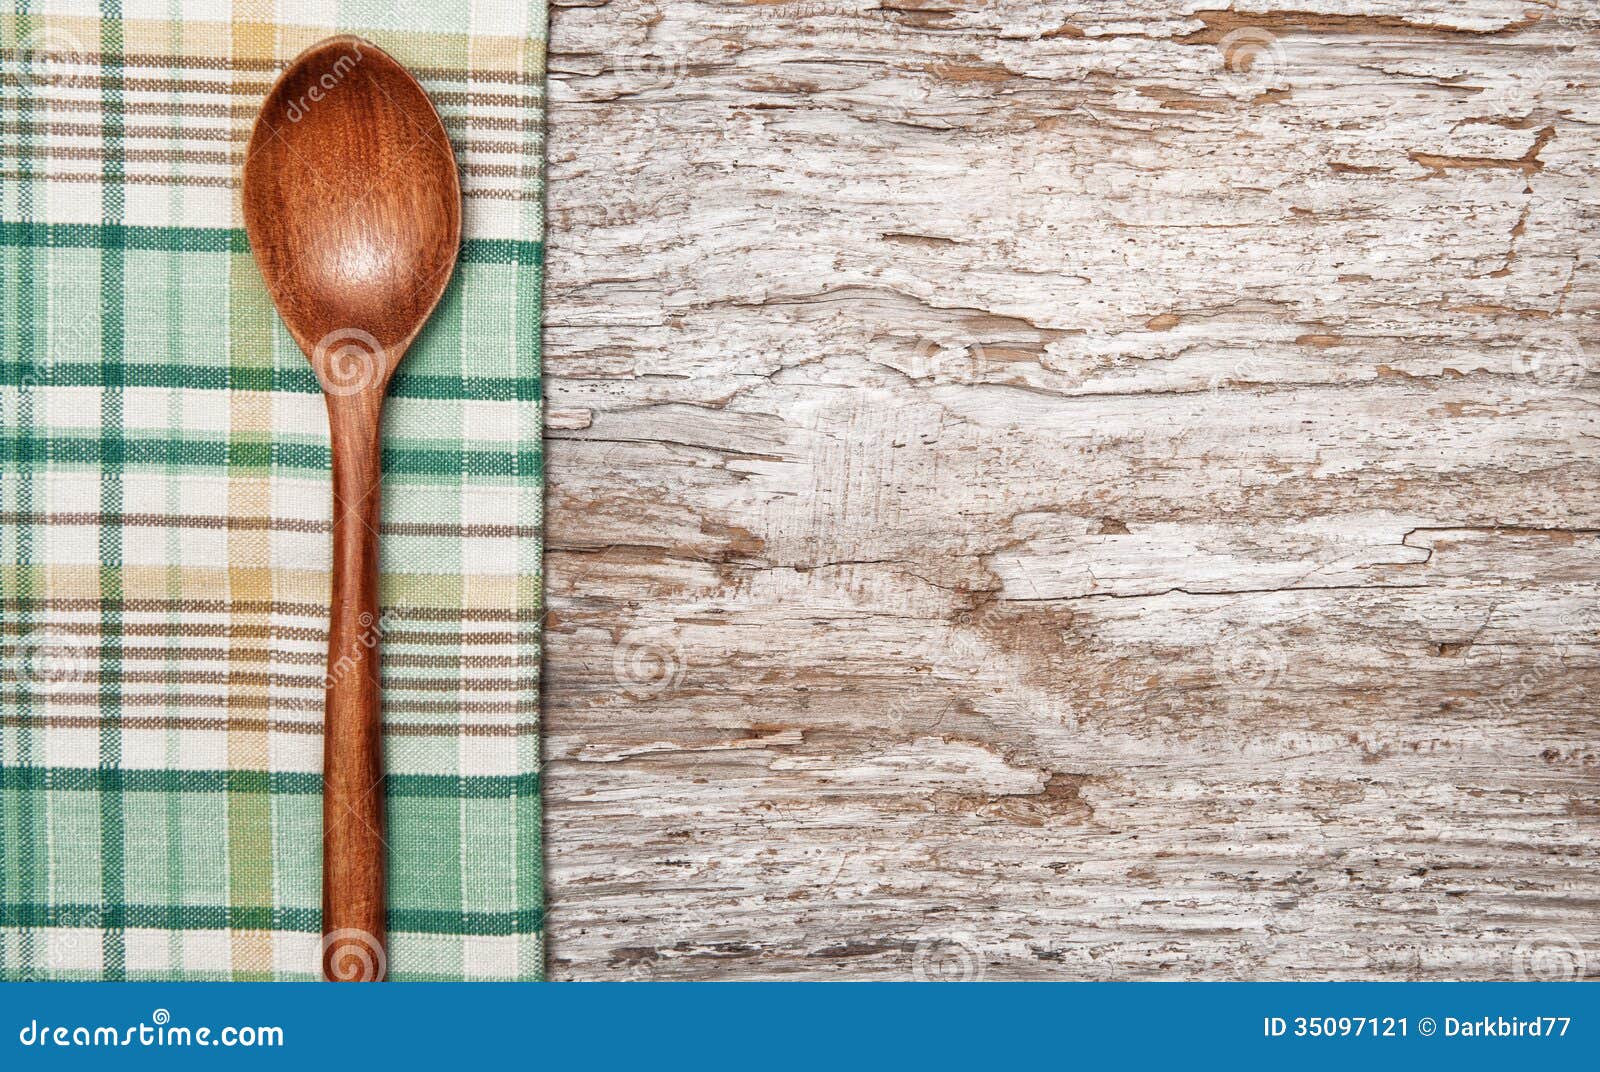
353 864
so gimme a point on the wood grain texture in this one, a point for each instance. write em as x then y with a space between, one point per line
353 208
1067 490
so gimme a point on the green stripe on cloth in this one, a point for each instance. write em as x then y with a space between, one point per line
25 849
255 455
220 917
164 516
292 380
116 779
112 296
219 240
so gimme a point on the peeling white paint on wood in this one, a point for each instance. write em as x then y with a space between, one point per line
1073 490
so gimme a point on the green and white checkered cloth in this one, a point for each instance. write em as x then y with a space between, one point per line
165 509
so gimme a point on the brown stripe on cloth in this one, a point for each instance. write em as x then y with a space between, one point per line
273 524
245 114
217 182
253 632
407 660
267 606
262 725
237 135
235 700
228 159
293 681
256 90
171 61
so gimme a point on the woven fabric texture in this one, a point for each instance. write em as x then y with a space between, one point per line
165 510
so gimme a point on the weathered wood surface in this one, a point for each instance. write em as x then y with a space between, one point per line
1074 490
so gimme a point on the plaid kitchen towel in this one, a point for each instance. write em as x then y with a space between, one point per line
164 564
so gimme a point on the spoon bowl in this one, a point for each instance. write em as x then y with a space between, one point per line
353 208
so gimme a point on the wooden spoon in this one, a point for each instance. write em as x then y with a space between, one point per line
353 208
